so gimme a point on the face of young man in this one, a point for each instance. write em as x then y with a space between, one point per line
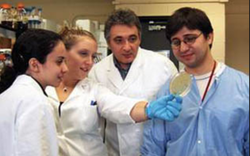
124 42
193 49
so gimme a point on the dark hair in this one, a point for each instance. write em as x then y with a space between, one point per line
191 18
33 43
123 17
71 35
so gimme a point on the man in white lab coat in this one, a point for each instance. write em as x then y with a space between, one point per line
132 72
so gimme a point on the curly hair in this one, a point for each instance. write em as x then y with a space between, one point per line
122 17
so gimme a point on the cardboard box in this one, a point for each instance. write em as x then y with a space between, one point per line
5 43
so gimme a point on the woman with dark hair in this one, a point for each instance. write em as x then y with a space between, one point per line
26 121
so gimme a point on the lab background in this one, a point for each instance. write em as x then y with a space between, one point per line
230 19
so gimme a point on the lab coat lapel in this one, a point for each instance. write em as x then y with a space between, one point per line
51 91
27 80
134 72
114 75
81 87
215 85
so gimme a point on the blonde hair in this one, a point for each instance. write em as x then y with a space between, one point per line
70 36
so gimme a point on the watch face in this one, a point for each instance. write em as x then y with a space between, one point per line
181 84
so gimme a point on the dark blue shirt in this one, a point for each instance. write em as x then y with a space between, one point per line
123 72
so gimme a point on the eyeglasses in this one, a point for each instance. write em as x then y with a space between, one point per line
188 40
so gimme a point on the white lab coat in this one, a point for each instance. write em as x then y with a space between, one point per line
78 127
27 126
147 74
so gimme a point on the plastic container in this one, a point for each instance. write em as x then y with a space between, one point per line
1 15
6 15
22 21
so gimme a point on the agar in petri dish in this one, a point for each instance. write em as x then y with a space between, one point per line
181 84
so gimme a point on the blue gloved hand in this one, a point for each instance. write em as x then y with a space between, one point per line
166 108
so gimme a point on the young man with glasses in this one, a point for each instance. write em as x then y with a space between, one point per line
215 116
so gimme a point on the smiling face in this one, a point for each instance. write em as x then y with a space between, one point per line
53 70
80 57
196 54
124 42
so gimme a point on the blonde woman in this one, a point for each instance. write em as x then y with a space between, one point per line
79 102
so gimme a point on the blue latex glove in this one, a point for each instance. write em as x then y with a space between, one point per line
166 108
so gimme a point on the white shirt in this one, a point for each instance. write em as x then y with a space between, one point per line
27 126
202 80
78 127
147 74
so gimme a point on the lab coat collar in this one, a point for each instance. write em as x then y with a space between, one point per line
51 91
115 77
28 80
113 73
212 90
219 72
214 87
138 60
40 86
80 88
84 86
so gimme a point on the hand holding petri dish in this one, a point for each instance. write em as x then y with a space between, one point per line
180 85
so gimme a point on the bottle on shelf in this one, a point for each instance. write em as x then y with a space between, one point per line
39 18
6 15
1 15
20 17
32 17
13 15
22 20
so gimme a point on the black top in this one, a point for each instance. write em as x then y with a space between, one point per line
123 72
59 109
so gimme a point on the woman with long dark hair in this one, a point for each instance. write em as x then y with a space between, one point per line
26 122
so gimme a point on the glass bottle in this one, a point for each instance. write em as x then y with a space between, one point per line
22 21
6 15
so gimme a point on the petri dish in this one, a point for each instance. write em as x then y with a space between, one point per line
181 84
